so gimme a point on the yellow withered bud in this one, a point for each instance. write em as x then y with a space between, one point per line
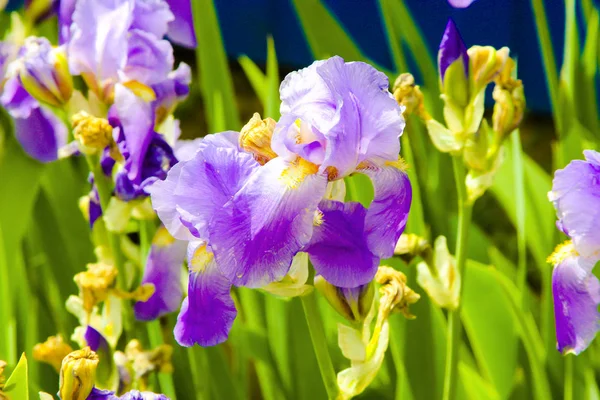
395 294
78 374
2 377
52 351
93 133
410 246
408 94
95 284
143 362
485 64
255 138
510 101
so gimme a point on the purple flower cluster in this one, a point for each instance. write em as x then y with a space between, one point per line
246 217
576 197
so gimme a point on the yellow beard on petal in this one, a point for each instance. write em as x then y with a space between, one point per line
201 258
561 252
298 170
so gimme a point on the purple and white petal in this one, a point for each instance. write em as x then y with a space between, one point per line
181 29
163 270
198 188
256 235
152 16
149 60
576 197
338 248
41 134
136 118
388 212
98 44
17 101
208 312
576 293
95 340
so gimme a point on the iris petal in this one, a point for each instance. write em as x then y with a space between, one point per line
163 270
208 312
576 294
256 234
338 248
388 213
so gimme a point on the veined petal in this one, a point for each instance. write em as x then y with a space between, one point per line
41 134
197 189
136 119
576 197
576 294
181 29
163 270
97 44
338 248
152 16
208 312
257 233
388 212
149 59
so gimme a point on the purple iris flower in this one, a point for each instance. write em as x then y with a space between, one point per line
460 3
99 394
163 269
337 118
576 197
38 130
181 29
452 48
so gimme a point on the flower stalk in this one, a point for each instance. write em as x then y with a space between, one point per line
454 329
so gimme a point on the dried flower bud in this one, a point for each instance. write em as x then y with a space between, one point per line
353 304
93 133
395 294
95 284
78 374
255 138
52 351
143 362
409 95
410 246
440 278
486 64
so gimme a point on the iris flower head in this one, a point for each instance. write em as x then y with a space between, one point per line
248 216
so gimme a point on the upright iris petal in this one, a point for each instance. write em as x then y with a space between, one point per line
208 312
181 29
452 49
163 269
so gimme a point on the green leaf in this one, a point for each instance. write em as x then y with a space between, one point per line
486 315
17 385
324 34
477 388
257 79
215 78
272 97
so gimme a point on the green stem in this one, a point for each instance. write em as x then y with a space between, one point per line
569 360
317 335
454 322
517 155
103 185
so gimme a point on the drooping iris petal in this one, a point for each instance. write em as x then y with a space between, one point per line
41 134
196 190
576 197
17 101
136 118
181 29
388 212
101 394
576 294
339 113
452 48
152 16
149 60
338 248
460 3
95 340
97 45
256 235
208 311
172 90
163 270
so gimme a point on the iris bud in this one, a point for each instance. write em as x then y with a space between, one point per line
353 304
440 277
255 138
486 64
409 95
52 351
453 64
78 374
93 133
44 72
95 284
